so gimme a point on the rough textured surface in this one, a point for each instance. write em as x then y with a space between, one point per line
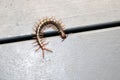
85 56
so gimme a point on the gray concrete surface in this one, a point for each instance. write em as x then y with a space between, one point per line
91 55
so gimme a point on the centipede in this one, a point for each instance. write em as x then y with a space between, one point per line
41 26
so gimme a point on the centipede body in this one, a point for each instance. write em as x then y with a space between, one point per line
44 24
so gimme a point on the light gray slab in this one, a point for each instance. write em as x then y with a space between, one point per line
84 56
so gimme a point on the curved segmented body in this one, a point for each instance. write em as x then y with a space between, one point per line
44 24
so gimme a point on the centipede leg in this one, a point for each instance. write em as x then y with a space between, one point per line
37 49
43 53
45 43
47 49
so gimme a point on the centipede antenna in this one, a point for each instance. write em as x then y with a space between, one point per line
67 31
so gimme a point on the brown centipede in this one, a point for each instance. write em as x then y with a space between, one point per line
43 25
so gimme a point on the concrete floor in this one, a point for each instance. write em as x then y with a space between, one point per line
91 55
